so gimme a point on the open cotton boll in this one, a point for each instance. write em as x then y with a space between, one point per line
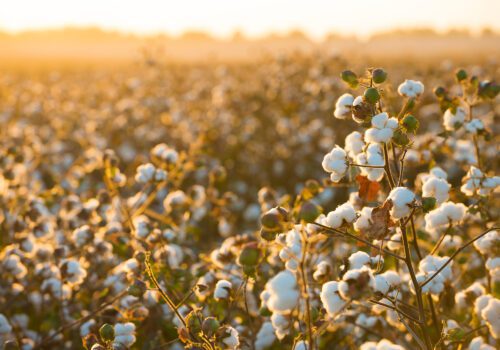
142 226
145 173
358 260
493 266
280 324
165 153
265 336
330 297
354 144
301 345
364 220
463 151
222 289
448 213
321 270
284 295
82 235
476 182
478 344
451 120
437 188
5 327
343 106
384 344
491 315
125 334
486 244
231 338
474 126
382 128
372 156
387 280
469 295
73 272
394 242
344 213
401 199
411 88
292 252
356 283
335 163
427 267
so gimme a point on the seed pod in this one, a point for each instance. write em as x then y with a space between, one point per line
379 75
350 78
460 74
440 92
400 138
309 211
410 123
250 255
372 95
210 326
107 332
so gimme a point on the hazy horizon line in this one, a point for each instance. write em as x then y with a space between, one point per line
242 35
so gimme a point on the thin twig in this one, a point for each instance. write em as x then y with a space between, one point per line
455 254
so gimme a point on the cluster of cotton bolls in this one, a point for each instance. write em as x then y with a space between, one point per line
382 128
428 267
373 157
476 182
335 163
281 297
444 216
149 173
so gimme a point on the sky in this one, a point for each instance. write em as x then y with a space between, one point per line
252 17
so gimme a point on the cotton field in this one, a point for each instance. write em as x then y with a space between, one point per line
302 202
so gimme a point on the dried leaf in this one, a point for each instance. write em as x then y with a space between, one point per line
381 221
368 190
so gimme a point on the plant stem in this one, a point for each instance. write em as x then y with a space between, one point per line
418 291
387 167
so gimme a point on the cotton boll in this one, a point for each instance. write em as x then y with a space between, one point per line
463 151
301 345
478 344
372 156
142 226
448 213
86 327
475 182
343 106
125 334
493 267
386 281
466 297
453 120
280 324
321 270
481 303
335 163
437 188
82 235
73 272
344 213
222 289
330 297
384 344
354 144
5 327
488 243
394 242
265 336
231 338
411 88
474 126
165 153
284 295
364 220
401 199
382 128
145 173
356 283
358 260
491 315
